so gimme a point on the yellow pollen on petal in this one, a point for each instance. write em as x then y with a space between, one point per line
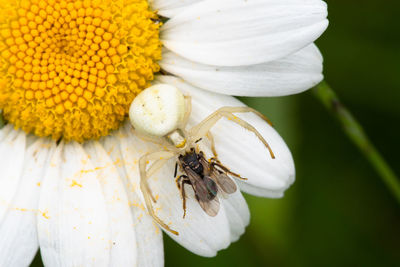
45 215
75 183
70 69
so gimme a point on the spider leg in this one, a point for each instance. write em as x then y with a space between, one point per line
155 140
160 156
211 138
188 110
153 169
203 127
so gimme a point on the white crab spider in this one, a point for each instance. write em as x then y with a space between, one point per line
160 114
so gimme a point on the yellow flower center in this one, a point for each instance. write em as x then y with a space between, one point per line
71 68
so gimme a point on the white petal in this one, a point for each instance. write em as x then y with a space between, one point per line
73 225
290 75
123 249
198 232
239 149
255 190
237 32
149 242
12 153
5 131
169 8
238 214
19 241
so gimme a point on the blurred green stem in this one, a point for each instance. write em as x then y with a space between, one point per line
357 135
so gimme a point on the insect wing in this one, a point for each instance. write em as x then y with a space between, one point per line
199 187
211 187
211 207
206 198
224 181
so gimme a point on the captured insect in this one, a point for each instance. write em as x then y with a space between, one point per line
206 179
160 114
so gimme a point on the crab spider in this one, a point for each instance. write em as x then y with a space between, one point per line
160 114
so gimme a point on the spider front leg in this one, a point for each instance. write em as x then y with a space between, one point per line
204 126
213 150
188 109
180 182
159 157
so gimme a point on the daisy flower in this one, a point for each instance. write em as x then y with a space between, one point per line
69 180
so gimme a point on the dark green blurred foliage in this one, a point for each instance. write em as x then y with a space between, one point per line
338 212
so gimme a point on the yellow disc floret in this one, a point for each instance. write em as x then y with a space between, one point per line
71 69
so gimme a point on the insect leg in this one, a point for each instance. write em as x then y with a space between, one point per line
225 169
214 159
144 186
183 179
179 179
176 169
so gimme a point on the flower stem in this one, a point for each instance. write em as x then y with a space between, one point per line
357 135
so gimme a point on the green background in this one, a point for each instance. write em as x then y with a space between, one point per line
338 212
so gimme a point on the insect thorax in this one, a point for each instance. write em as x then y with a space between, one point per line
191 160
177 138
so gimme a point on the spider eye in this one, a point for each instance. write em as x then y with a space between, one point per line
158 110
